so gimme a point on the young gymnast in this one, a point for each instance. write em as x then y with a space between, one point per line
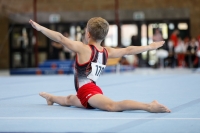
90 63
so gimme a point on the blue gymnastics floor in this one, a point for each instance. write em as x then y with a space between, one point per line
23 110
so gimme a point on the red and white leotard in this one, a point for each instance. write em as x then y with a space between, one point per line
86 75
96 64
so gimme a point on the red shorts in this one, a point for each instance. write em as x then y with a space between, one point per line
86 91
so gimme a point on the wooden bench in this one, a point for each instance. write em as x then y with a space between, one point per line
113 61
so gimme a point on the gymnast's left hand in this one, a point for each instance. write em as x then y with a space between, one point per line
35 25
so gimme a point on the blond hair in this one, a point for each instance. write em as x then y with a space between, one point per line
98 28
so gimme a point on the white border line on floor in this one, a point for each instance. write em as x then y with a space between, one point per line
85 118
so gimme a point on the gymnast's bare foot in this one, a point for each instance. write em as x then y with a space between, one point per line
47 97
155 107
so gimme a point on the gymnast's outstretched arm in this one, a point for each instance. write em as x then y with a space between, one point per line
75 46
131 50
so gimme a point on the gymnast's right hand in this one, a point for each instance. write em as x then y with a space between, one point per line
35 25
156 45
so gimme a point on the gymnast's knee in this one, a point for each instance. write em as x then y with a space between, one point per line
111 107
69 100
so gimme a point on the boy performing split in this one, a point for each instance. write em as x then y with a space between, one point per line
89 64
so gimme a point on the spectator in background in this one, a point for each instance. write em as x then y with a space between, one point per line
55 50
186 42
58 48
67 52
123 61
181 47
135 41
174 37
161 53
191 58
172 44
157 36
180 50
171 60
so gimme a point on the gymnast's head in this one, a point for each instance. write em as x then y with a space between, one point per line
97 29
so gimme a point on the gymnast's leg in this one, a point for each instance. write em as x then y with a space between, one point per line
102 102
71 100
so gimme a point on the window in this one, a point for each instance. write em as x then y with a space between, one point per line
144 35
128 30
171 26
144 39
112 37
17 59
161 26
182 26
72 32
156 32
